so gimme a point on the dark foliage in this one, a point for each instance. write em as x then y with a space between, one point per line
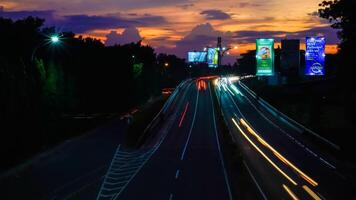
41 81
342 14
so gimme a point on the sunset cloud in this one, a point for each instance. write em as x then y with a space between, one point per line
215 14
177 26
130 34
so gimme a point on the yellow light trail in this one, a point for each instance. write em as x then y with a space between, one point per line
291 194
263 154
278 155
311 193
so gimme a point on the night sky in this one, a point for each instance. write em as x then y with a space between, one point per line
176 26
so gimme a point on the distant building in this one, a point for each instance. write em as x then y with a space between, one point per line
290 57
246 63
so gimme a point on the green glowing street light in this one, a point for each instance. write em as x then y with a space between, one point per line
54 39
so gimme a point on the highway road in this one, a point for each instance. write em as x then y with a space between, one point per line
183 160
182 157
76 165
282 162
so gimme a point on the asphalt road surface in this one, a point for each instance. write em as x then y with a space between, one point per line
284 164
185 159
76 165
182 156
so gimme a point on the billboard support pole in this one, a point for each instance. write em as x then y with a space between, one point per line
219 50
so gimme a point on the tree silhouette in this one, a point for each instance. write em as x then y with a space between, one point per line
341 13
40 82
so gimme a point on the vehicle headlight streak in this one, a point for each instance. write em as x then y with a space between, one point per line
234 88
230 91
291 194
263 154
224 87
233 79
311 193
278 155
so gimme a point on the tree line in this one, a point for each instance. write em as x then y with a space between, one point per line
41 80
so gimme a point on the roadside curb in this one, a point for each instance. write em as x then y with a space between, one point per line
162 111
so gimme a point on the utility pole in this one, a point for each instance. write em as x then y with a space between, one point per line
219 51
219 65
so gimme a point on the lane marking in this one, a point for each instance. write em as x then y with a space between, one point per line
166 105
291 137
321 195
236 115
230 91
302 175
219 149
255 181
170 196
234 88
278 155
191 127
263 154
311 193
300 125
290 192
111 165
183 115
165 132
155 148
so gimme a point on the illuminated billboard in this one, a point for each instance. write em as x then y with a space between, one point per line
265 57
314 56
197 57
213 56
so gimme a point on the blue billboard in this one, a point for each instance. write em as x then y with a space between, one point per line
213 56
314 56
197 56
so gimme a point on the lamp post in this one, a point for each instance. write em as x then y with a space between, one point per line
226 50
54 39
222 51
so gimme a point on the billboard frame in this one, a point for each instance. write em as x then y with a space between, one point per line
315 56
199 61
213 62
265 57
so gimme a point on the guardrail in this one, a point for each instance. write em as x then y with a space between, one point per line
163 110
292 123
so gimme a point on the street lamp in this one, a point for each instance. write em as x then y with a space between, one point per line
166 64
226 50
54 39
